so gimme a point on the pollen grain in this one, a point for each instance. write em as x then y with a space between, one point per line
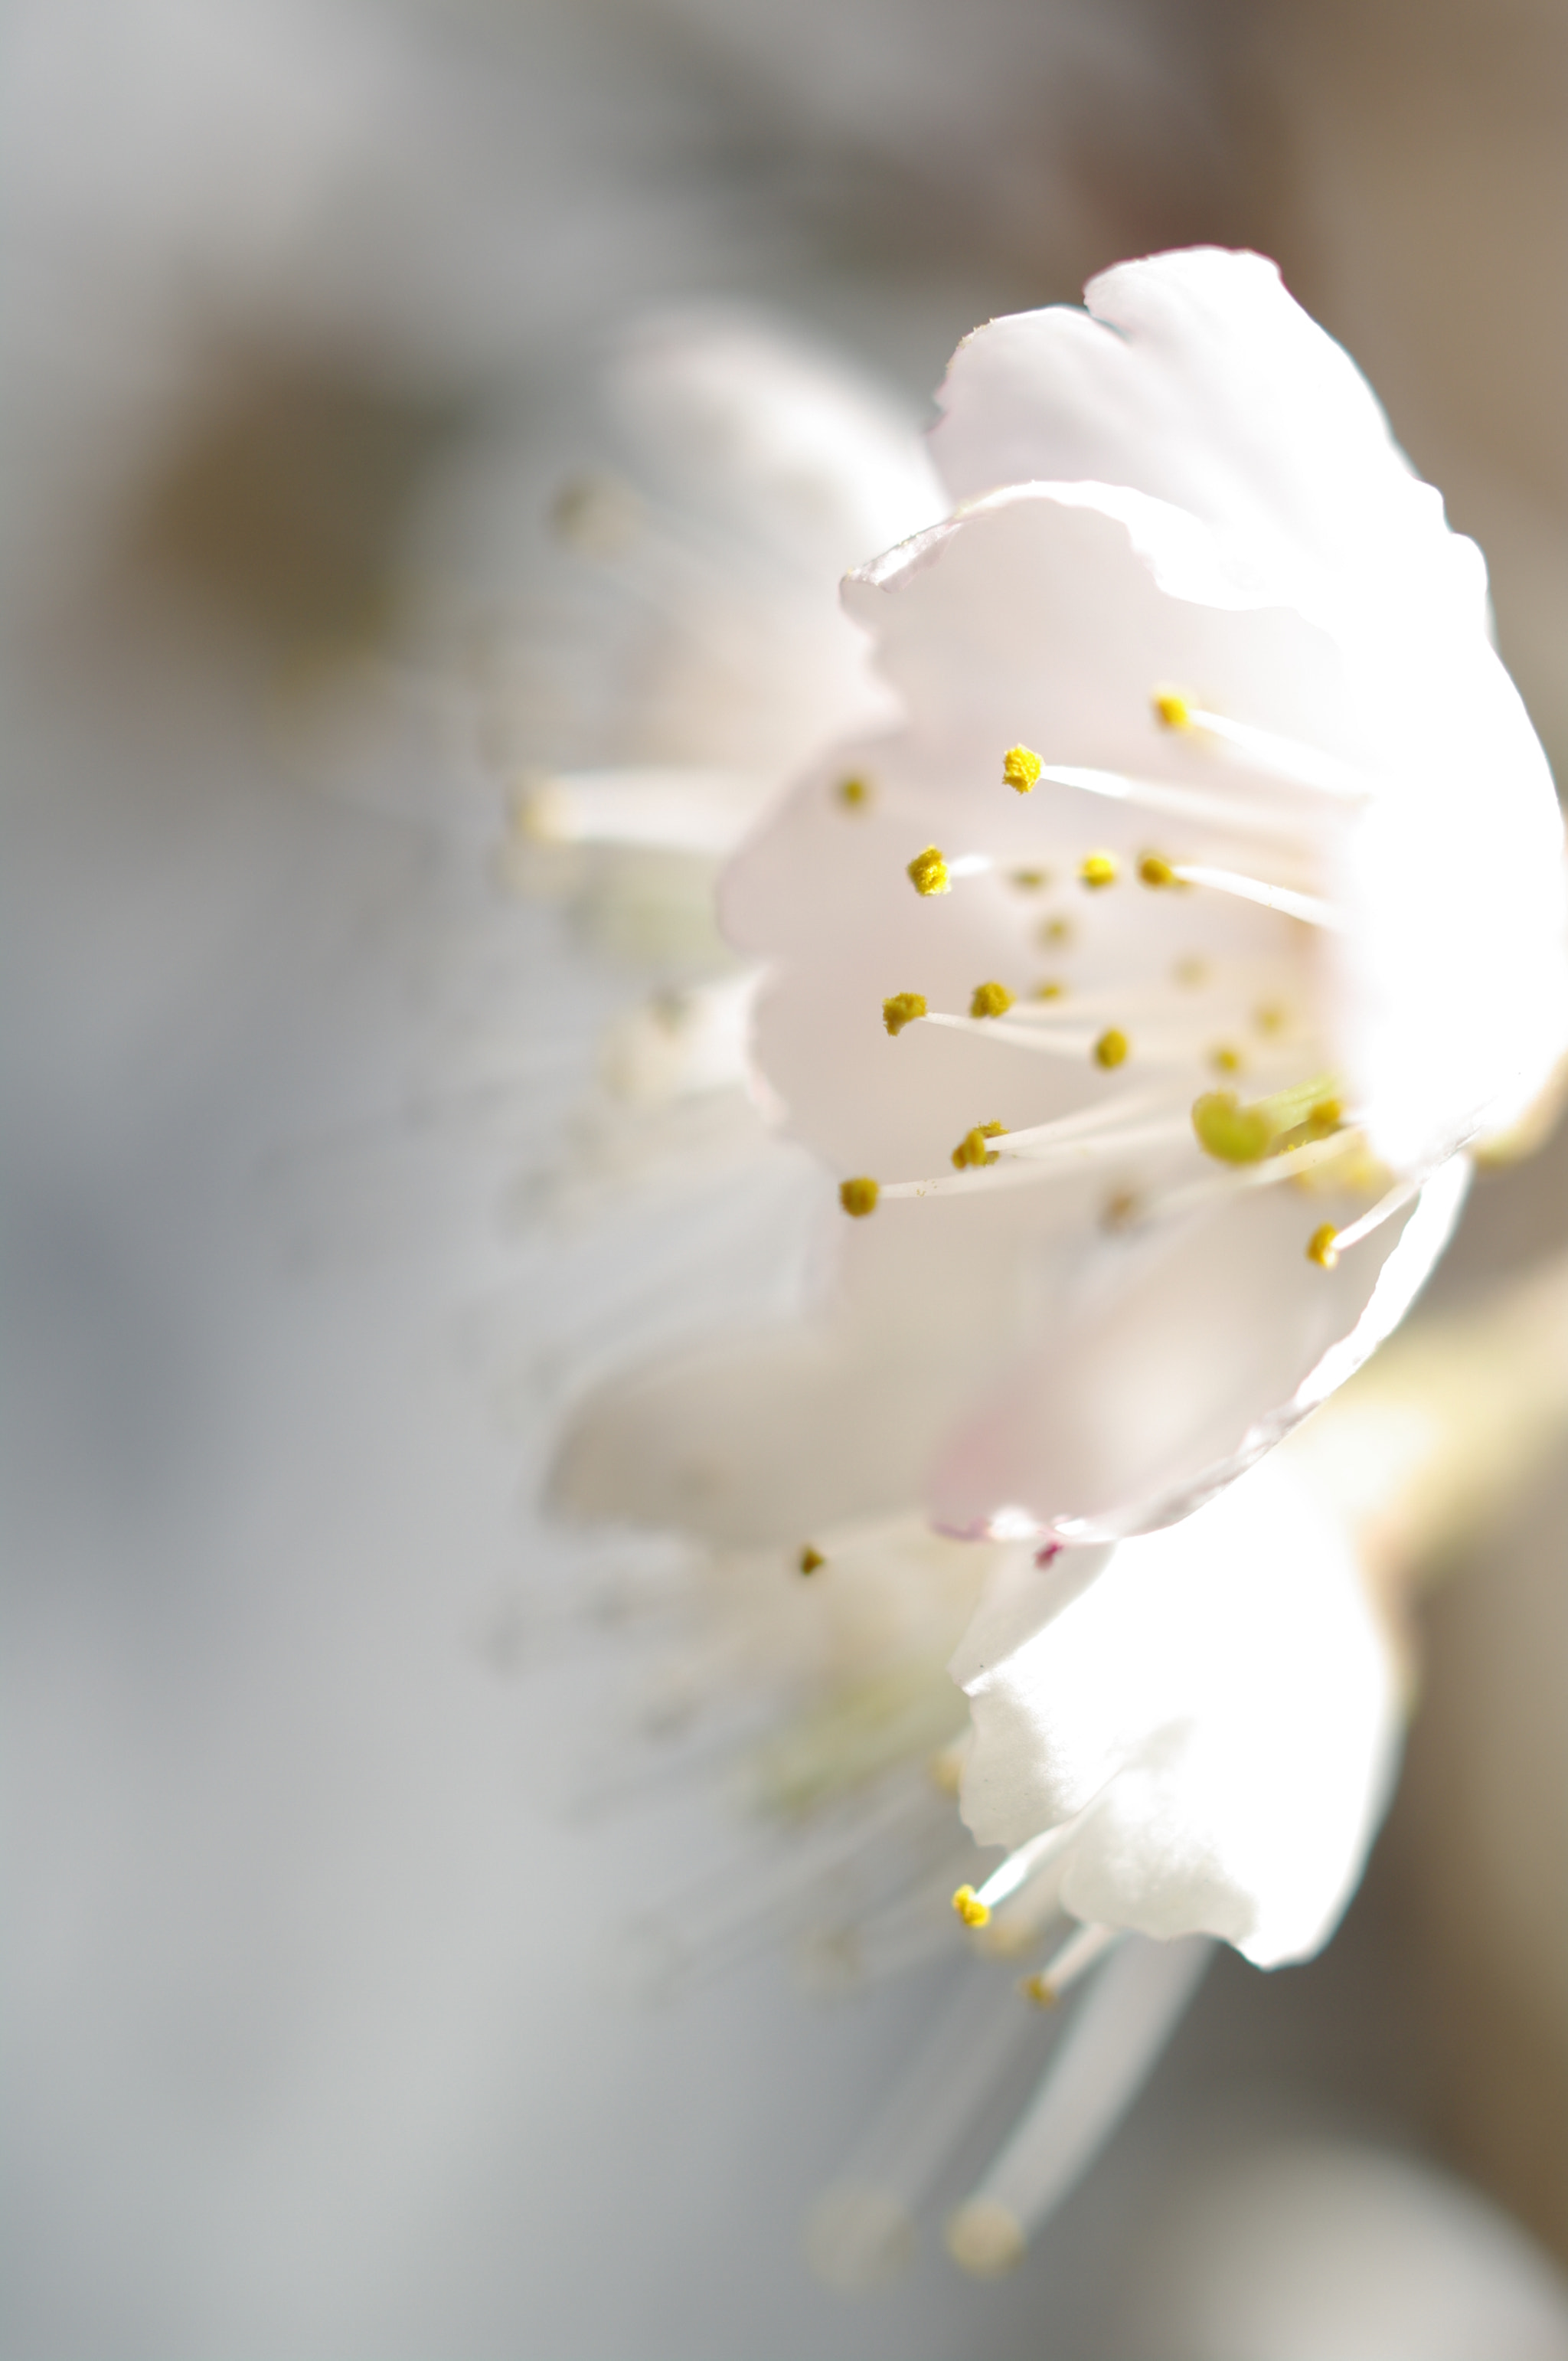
971 1149
904 1008
1021 766
928 873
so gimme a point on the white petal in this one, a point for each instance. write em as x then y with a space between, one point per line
1171 1375
1194 377
1222 1697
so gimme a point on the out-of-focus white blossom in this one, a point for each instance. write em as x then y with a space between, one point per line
680 653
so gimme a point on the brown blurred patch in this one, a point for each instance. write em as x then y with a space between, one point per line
1478 1841
282 508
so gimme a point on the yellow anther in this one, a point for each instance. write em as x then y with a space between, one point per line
810 1559
945 1768
1226 1061
1322 1247
1154 870
1112 1049
1100 869
859 1197
855 792
1233 1133
1021 766
971 1908
1038 1989
1031 881
972 1149
1050 992
990 1000
904 1008
1190 973
1057 932
1171 710
1270 1018
1120 1212
928 873
1326 1116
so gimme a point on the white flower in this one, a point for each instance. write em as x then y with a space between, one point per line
1279 899
1207 1730
1190 1735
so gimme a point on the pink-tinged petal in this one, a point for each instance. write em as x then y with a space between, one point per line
1196 378
1043 616
765 1437
1169 1376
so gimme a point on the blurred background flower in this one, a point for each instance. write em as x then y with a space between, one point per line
307 2047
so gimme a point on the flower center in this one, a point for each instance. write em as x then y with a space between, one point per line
1167 1031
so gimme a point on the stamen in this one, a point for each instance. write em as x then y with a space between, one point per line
1322 1247
1035 1028
1177 803
904 1008
1016 1923
972 1149
1287 1166
1048 1161
1100 869
660 807
1112 1049
1109 1112
969 1908
859 1197
1394 1201
1154 870
1049 1041
862 2229
1021 766
1021 1864
932 872
1095 2072
810 1559
1075 1957
855 792
1311 908
1303 767
990 1000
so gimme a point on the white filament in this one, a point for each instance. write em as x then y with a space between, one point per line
1095 2073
